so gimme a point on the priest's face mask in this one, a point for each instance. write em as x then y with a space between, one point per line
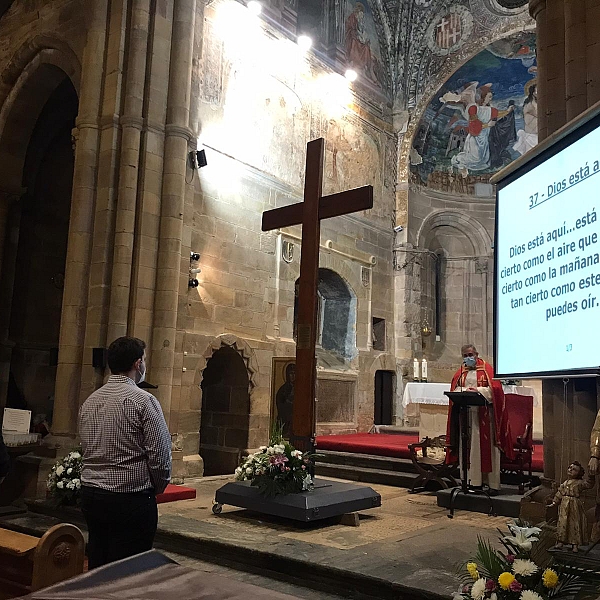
470 356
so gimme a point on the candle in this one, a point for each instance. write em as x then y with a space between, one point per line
424 370
416 369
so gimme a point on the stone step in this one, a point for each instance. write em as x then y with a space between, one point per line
365 474
367 461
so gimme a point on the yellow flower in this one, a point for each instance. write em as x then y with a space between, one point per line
473 572
550 578
505 580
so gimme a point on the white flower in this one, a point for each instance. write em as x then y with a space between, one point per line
70 485
238 471
524 567
296 453
262 448
74 455
522 536
76 480
60 470
529 595
60 485
494 596
77 484
249 470
69 471
478 589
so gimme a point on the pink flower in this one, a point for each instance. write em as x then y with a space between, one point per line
304 467
510 558
515 586
490 585
277 459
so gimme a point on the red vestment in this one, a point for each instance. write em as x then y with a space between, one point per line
503 437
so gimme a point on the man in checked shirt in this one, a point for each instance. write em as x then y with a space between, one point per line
126 458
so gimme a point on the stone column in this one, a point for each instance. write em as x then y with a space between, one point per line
554 71
592 38
110 40
169 281
127 205
145 252
75 295
539 12
575 58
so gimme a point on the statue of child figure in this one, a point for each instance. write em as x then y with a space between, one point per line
572 523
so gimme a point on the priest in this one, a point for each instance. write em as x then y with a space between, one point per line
489 431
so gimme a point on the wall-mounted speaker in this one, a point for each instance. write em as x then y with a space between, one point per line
99 358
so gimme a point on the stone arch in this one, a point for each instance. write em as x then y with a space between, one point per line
472 229
241 347
29 79
39 104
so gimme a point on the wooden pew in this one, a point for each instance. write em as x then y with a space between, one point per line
29 563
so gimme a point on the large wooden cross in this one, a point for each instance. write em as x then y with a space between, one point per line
309 214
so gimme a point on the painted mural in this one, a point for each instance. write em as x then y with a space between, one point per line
483 118
361 42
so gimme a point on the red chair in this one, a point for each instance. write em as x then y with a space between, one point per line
520 417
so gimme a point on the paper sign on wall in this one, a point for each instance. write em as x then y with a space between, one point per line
16 421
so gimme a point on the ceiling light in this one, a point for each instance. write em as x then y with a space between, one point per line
304 42
351 75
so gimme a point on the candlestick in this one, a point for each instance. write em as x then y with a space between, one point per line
424 370
416 369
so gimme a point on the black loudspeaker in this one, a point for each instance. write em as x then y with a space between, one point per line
53 358
201 158
99 358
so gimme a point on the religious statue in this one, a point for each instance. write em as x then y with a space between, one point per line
488 425
594 469
572 523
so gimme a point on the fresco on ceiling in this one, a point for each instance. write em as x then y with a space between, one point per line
361 43
483 117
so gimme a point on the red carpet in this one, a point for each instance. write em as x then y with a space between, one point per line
394 445
176 492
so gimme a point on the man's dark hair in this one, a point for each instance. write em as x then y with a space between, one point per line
123 352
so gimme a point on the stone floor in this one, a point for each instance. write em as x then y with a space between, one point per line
407 544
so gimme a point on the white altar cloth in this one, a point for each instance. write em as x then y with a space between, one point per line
416 392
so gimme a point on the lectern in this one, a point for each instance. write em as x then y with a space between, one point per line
462 401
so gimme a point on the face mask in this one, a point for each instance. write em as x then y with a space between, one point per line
142 374
470 361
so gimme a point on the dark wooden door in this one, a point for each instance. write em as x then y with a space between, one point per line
384 397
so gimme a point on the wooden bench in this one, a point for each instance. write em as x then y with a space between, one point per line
29 563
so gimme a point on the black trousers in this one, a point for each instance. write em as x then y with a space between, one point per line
119 524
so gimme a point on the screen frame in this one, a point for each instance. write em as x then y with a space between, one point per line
551 146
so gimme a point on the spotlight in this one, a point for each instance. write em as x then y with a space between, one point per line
193 283
254 7
304 43
194 256
351 75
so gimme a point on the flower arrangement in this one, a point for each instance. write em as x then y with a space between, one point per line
277 468
64 480
519 572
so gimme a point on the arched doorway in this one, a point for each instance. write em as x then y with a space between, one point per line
35 243
225 416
